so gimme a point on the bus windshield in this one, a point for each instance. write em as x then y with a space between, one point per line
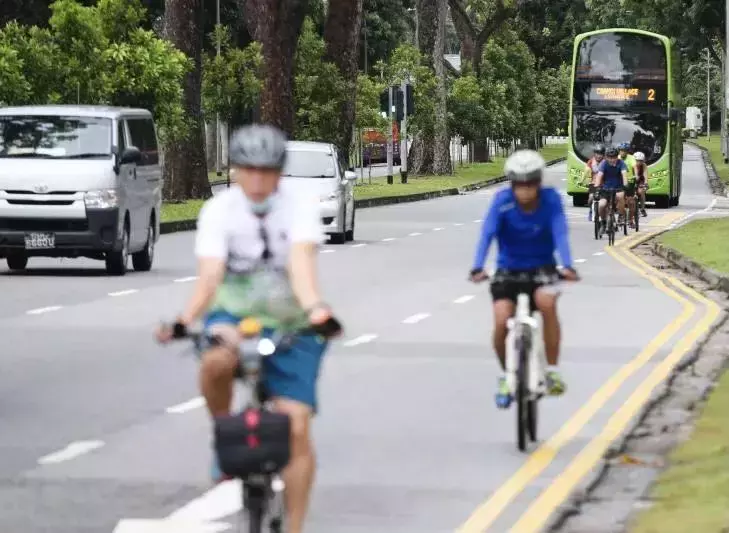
645 131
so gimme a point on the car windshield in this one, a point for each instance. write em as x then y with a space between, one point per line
55 137
645 132
309 164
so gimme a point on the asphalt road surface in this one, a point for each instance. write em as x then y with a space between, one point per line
98 424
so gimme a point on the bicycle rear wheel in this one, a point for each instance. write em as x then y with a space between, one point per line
532 420
522 390
254 505
596 221
636 215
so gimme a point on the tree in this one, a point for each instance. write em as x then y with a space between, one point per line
342 35
276 24
185 163
386 25
476 21
441 145
319 89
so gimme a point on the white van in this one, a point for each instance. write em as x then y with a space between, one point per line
79 181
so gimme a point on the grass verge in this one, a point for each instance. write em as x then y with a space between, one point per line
463 175
713 145
704 241
693 494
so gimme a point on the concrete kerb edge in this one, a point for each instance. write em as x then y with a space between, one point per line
593 479
717 186
190 224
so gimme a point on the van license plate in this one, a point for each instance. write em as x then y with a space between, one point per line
37 241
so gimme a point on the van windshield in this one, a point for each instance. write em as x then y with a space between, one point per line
55 137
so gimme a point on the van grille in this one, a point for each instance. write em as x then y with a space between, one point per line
33 192
43 224
40 202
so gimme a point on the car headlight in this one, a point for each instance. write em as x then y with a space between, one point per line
101 199
330 196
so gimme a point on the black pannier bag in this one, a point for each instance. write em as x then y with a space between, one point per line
252 442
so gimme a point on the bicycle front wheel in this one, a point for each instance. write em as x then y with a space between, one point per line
522 389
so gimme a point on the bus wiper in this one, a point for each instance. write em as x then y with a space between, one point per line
33 155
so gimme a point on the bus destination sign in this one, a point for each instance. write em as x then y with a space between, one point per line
612 93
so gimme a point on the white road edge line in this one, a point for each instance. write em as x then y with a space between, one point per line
185 280
362 339
464 299
184 407
123 293
416 318
42 310
73 450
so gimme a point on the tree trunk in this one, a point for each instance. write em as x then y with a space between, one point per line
276 24
441 148
420 159
185 169
342 36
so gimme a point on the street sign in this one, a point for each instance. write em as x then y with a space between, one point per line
168 525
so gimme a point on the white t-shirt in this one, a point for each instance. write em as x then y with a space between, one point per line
227 229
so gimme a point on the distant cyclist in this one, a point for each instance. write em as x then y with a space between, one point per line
630 189
591 171
640 170
529 224
612 176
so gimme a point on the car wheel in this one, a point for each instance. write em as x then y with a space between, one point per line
116 261
349 235
17 260
142 260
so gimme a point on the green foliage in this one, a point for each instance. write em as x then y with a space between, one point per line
233 80
468 117
368 103
95 55
387 24
407 62
319 89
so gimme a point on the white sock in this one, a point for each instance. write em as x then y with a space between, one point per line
552 368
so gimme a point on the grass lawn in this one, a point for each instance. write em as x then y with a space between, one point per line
693 494
464 175
704 240
714 147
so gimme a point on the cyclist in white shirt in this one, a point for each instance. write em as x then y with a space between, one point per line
257 247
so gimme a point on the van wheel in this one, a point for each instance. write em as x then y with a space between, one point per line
116 261
17 261
143 259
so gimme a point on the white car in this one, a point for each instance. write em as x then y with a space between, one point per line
314 168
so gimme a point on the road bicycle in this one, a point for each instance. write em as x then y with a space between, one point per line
526 364
611 219
254 443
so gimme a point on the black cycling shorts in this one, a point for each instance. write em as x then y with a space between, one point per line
630 190
605 193
507 284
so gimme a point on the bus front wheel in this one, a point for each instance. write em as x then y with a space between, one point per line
579 200
663 202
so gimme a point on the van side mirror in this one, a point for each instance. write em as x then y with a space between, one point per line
350 176
131 154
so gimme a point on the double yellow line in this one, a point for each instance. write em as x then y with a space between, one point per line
539 512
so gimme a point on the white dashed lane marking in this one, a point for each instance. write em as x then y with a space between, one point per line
186 280
599 253
43 310
580 260
463 299
416 318
123 293
184 407
389 239
437 229
362 339
360 245
414 234
73 450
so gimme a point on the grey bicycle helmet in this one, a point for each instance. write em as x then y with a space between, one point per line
258 146
599 149
524 166
612 152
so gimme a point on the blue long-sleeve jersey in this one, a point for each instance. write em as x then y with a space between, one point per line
526 241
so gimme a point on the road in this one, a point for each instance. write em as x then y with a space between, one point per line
408 437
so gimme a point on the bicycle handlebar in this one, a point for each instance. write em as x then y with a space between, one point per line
486 277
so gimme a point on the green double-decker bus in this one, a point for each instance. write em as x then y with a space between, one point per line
626 88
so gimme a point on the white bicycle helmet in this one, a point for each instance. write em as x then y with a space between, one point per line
639 156
524 166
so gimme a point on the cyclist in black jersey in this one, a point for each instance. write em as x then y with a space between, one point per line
640 171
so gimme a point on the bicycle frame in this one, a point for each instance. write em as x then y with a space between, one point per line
537 362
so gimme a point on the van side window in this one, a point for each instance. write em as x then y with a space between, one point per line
143 137
120 132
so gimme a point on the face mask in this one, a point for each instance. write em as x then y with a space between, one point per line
261 208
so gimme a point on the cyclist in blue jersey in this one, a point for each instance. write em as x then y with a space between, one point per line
612 175
529 224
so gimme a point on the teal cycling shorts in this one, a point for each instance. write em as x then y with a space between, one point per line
290 373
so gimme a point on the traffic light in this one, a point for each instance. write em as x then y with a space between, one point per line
409 104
